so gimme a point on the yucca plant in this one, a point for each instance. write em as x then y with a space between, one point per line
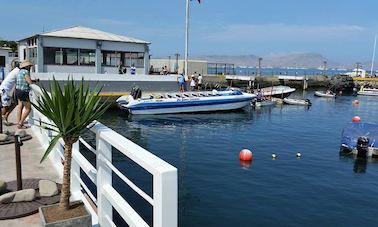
71 108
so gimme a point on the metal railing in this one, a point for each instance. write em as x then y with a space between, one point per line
164 195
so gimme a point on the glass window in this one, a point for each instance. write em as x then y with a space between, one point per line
32 55
87 57
111 58
70 56
52 56
134 58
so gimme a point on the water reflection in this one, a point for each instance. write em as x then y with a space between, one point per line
359 164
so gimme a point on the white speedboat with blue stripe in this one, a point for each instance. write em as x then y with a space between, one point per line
186 102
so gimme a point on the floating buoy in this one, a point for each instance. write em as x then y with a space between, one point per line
299 154
356 102
245 155
274 156
356 119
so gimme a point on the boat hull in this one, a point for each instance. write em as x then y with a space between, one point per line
368 93
324 95
187 108
299 102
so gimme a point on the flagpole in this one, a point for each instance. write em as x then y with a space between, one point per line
372 61
186 37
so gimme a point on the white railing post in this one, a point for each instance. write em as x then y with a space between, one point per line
165 199
104 177
75 170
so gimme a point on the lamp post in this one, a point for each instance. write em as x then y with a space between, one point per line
259 72
324 67
176 66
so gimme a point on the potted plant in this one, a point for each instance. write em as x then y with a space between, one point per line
71 107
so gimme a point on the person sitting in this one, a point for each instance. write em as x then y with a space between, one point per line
165 70
120 68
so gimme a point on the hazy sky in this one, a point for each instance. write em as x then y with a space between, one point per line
342 30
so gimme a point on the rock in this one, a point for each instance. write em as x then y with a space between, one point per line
7 197
25 195
3 137
47 188
3 186
20 133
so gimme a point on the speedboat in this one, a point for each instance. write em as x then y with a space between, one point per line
276 91
358 135
325 94
186 102
301 102
368 91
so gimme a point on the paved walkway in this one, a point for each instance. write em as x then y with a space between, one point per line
31 153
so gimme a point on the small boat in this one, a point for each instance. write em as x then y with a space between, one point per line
357 135
301 102
324 94
186 102
276 91
368 91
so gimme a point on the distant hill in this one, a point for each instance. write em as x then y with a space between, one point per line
298 60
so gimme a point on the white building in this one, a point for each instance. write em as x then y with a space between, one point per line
6 58
84 50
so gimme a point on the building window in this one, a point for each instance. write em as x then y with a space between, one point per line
111 58
52 56
70 56
134 58
32 55
87 57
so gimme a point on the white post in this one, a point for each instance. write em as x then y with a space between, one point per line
372 61
104 177
186 37
165 199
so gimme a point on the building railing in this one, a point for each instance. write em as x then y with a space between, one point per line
164 195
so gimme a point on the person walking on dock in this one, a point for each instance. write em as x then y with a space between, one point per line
192 83
6 88
23 82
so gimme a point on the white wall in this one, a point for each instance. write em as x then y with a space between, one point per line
68 69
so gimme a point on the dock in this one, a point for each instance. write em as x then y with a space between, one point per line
31 154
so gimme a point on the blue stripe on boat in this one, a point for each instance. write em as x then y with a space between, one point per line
161 105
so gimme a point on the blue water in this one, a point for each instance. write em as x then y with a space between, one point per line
321 188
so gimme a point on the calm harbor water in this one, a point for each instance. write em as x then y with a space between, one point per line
215 189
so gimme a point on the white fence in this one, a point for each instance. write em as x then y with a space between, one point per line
164 196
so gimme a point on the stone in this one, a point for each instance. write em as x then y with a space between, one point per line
7 197
25 195
48 188
3 187
3 137
20 133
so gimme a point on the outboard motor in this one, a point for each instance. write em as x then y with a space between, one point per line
362 147
136 92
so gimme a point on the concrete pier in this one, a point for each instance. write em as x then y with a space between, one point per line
31 154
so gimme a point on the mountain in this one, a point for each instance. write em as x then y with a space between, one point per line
298 60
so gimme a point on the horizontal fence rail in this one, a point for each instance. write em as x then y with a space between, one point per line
164 199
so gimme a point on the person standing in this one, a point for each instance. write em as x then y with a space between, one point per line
133 70
192 83
181 82
200 79
120 68
23 82
6 88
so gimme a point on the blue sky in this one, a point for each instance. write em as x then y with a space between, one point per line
340 30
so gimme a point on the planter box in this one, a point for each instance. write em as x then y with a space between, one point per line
83 221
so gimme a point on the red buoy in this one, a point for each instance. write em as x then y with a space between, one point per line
356 119
246 155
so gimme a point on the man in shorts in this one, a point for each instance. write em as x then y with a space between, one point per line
6 89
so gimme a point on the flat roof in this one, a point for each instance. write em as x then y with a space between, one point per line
79 32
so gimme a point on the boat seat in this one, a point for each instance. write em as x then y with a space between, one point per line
169 96
186 95
195 95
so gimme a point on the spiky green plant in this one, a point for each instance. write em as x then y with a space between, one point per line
71 108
